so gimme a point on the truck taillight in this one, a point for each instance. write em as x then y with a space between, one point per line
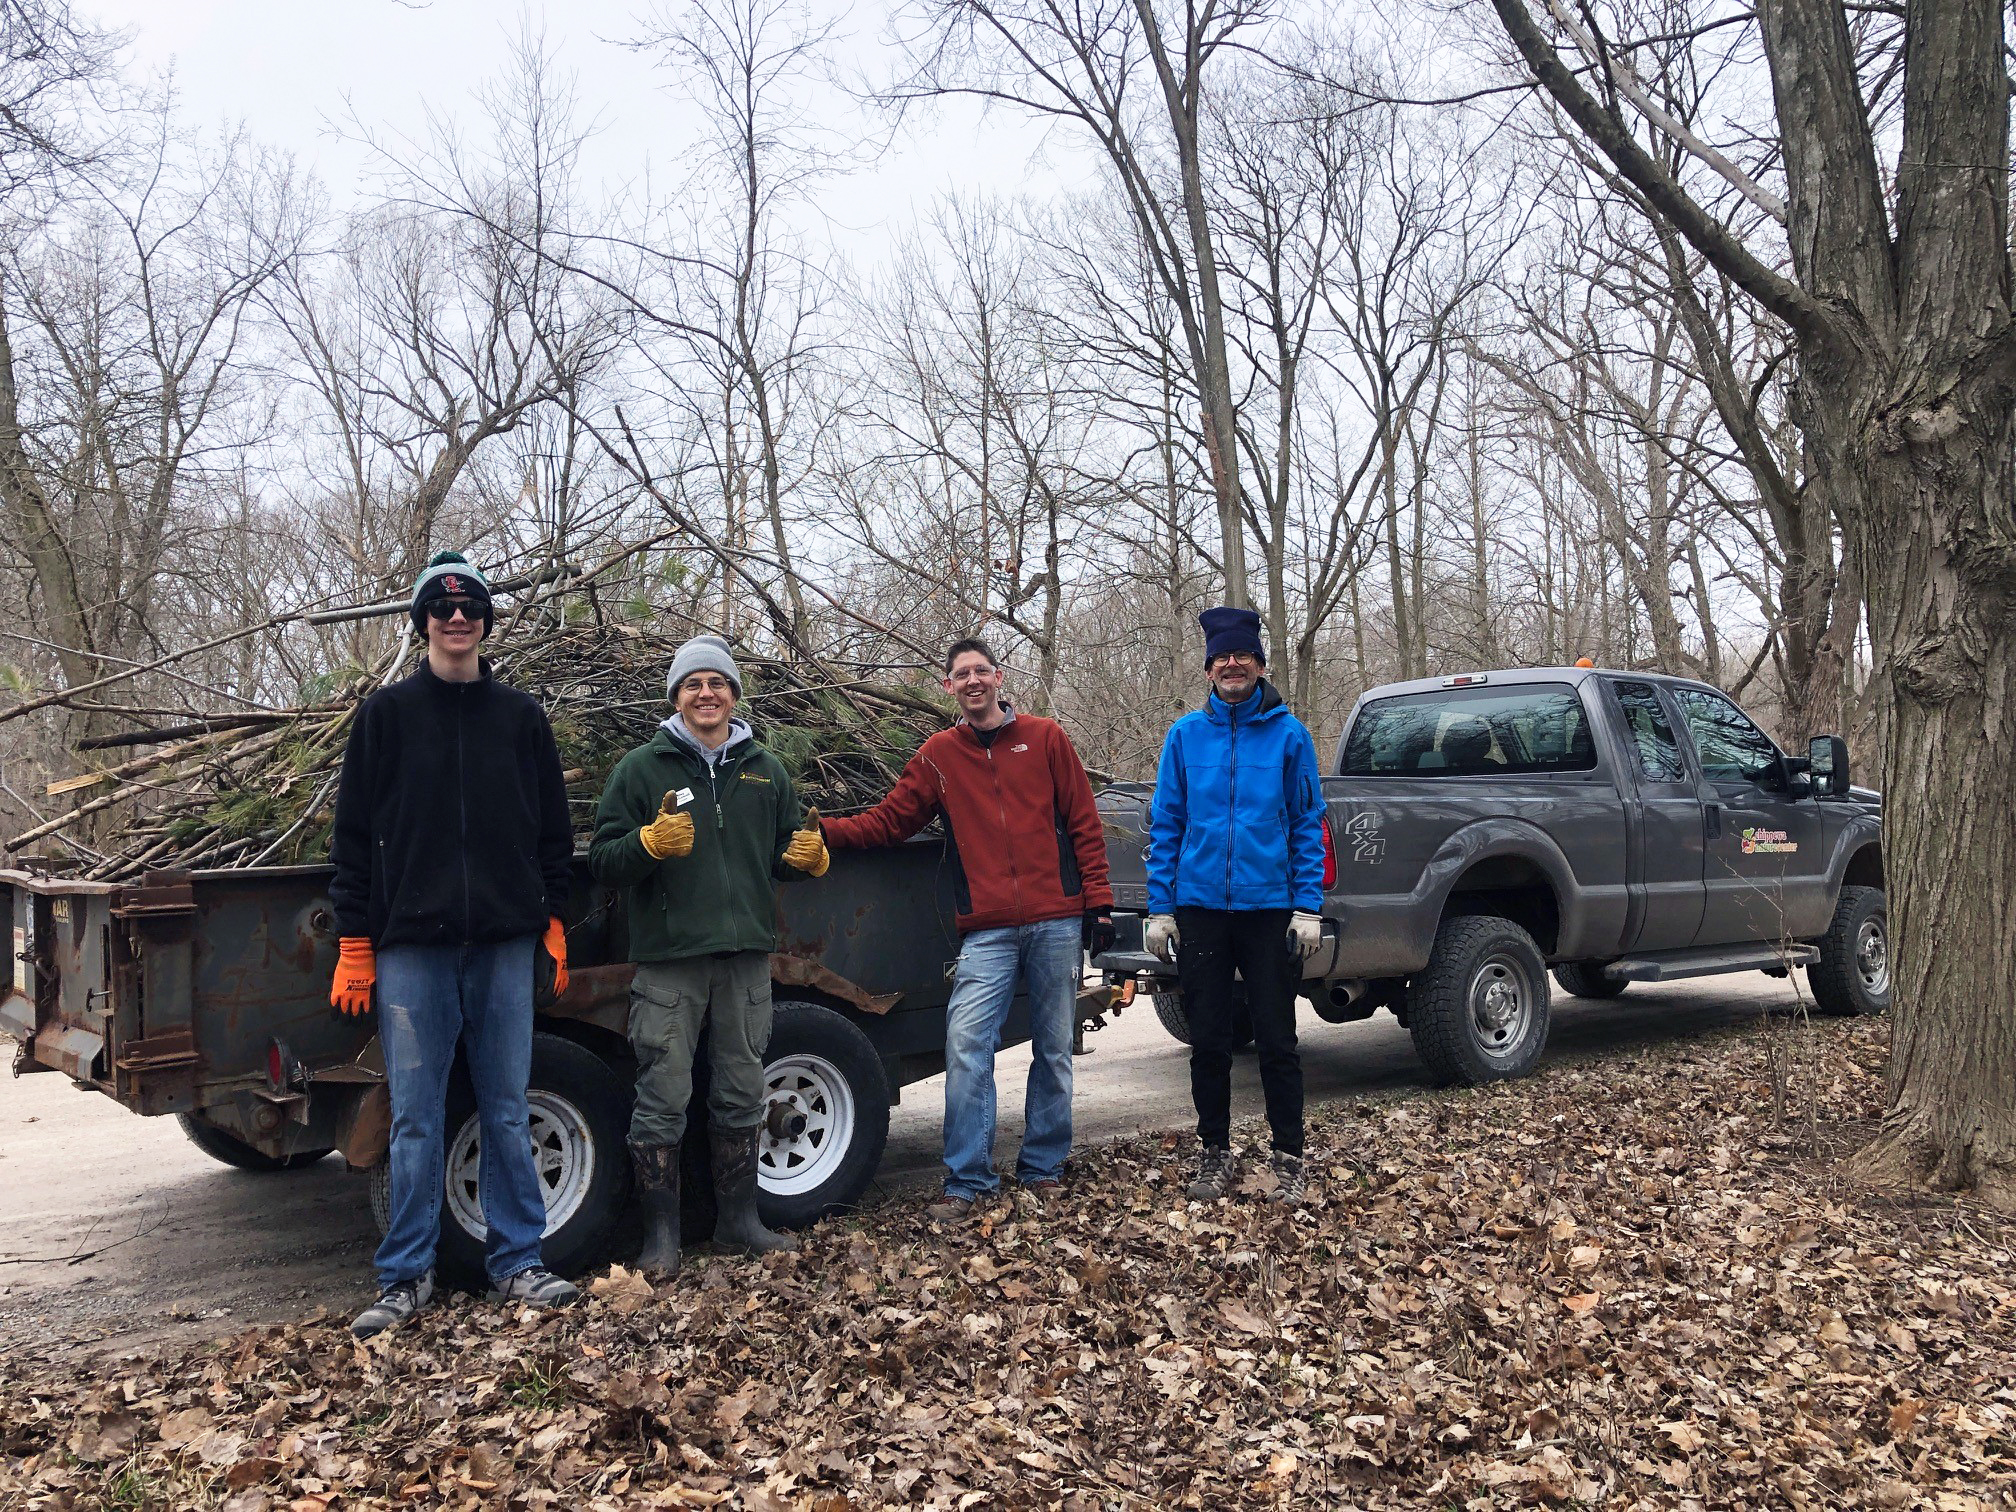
1329 858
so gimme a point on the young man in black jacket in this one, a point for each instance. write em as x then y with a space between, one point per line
452 850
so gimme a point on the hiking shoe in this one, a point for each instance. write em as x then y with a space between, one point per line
951 1208
1044 1189
1289 1179
395 1304
1217 1169
537 1287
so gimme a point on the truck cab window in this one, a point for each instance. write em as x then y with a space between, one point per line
1470 732
1731 748
1651 736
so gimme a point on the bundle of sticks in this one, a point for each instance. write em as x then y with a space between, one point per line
242 788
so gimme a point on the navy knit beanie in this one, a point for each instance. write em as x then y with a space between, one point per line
1231 630
449 575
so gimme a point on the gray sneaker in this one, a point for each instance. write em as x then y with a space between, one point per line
537 1287
394 1306
1289 1179
1217 1169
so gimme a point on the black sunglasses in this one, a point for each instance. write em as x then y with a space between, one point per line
445 608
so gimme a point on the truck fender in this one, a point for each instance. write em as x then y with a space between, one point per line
1860 834
1489 839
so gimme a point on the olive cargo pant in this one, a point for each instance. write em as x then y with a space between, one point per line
669 1001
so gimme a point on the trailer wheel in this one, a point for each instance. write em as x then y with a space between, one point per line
580 1116
1585 979
827 1116
1479 1010
1852 975
1169 1009
233 1151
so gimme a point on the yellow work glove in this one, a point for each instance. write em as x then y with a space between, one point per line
356 974
671 833
807 850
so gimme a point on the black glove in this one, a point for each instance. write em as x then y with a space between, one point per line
1098 932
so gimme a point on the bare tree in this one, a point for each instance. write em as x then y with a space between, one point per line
1898 301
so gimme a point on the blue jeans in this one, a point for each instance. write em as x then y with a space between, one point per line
1043 958
429 996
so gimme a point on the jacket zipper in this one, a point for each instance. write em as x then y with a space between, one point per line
462 806
1001 809
1232 800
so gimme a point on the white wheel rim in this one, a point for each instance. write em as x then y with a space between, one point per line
563 1153
811 1087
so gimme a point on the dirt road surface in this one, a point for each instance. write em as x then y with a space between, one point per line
116 1232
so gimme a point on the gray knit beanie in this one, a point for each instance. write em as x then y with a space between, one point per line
703 653
449 574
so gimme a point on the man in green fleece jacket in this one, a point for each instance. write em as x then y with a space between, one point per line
698 825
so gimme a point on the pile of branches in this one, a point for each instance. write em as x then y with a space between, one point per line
258 788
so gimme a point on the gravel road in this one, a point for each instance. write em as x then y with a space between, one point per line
116 1232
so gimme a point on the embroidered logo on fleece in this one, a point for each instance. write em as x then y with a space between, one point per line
753 777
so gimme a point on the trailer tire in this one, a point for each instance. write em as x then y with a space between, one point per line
1585 979
1852 976
821 1067
1169 1009
1478 1011
580 1108
233 1151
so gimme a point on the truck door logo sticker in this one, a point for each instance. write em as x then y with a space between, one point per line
1767 842
1367 844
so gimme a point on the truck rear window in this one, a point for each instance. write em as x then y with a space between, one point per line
1471 732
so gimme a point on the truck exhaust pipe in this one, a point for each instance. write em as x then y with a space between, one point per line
1342 1000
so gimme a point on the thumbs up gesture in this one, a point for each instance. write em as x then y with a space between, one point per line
807 850
671 833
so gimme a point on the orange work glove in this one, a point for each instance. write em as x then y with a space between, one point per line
356 974
555 943
807 850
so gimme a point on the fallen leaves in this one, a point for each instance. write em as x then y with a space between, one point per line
1616 1284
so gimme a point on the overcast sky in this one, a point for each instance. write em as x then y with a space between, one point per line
289 68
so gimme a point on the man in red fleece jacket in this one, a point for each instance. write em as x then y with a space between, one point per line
1030 881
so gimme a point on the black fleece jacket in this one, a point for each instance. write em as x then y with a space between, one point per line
451 816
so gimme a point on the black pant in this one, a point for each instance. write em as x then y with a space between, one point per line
1211 946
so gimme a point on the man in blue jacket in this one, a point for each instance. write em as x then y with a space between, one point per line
1235 889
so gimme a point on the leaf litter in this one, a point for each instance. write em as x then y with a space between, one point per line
1616 1284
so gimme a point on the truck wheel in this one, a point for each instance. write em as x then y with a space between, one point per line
827 1120
233 1151
1852 975
1478 1011
580 1114
1169 1009
1585 979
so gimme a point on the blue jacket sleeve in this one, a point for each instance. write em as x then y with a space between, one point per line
1168 814
1305 821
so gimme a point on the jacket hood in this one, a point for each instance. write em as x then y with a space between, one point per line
1270 699
674 733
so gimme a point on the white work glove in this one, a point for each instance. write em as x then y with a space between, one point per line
1159 937
1305 932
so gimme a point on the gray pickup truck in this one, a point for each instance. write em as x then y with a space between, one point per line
1616 827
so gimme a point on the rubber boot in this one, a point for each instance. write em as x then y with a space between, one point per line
737 1229
657 1172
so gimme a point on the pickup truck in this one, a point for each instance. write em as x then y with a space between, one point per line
1616 827
205 996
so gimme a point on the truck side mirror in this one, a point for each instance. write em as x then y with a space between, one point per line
1828 755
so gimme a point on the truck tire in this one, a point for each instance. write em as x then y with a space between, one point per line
233 1151
1478 1011
820 1067
1169 1009
1852 975
580 1107
1585 979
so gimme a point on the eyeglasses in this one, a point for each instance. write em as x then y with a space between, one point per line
1244 658
706 685
448 608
